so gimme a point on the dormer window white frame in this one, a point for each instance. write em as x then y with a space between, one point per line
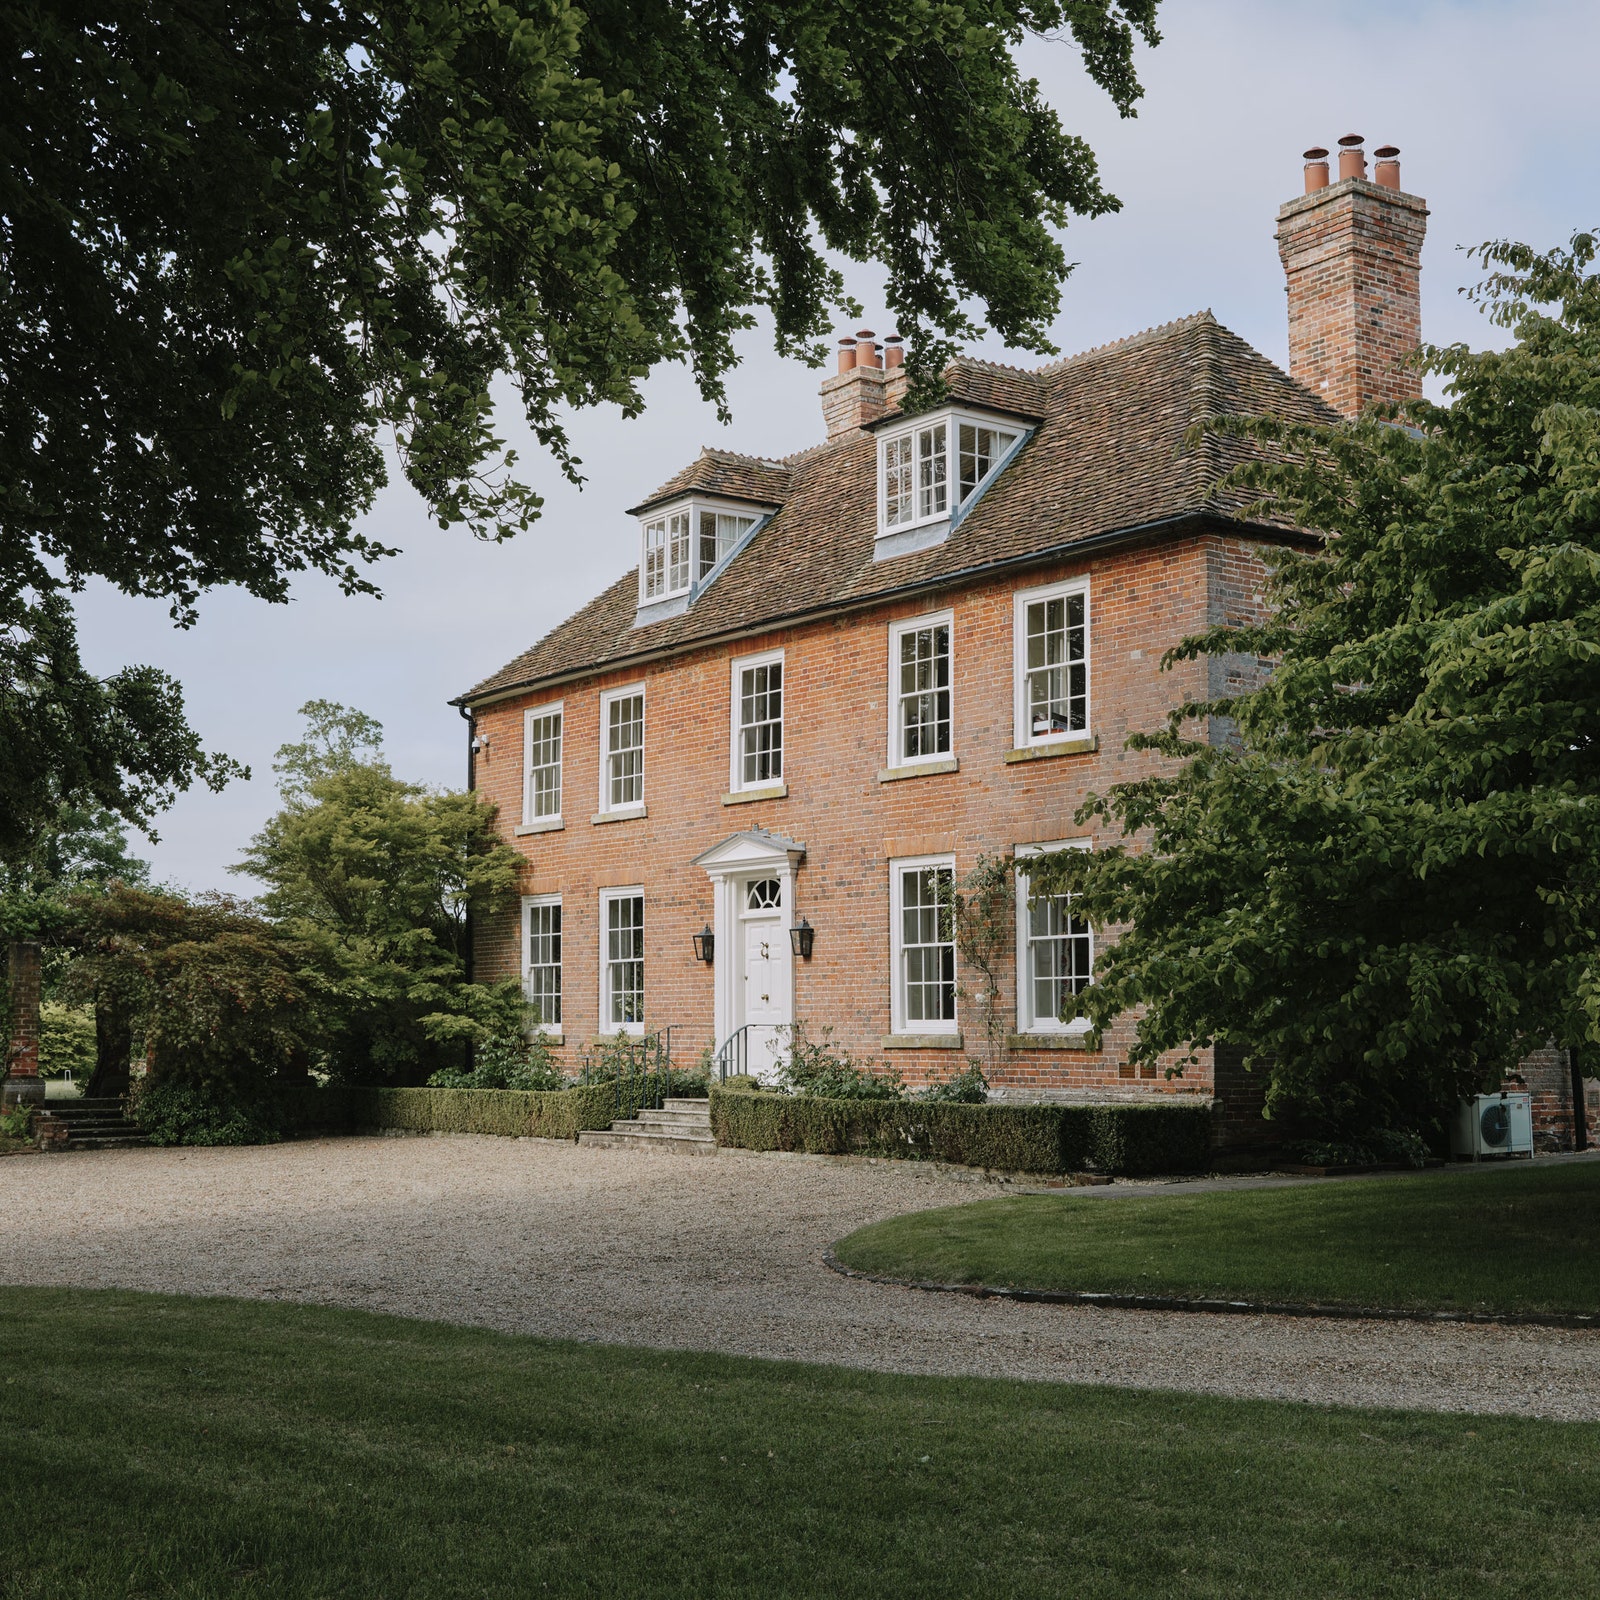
684 545
932 468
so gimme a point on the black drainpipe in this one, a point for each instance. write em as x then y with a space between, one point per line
472 784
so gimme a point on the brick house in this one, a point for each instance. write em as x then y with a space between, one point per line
837 679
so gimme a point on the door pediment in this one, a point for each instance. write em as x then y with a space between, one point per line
750 851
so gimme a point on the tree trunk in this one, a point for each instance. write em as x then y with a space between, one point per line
113 1047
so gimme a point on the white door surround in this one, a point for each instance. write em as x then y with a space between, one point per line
752 941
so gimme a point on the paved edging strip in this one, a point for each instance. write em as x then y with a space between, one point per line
1247 1308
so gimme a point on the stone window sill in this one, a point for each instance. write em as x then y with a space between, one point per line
621 814
1047 1041
919 769
744 797
921 1041
1057 747
543 825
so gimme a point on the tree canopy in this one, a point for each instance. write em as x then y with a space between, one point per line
372 878
245 244
246 240
1386 887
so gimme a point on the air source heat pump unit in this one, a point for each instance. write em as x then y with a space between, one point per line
1493 1125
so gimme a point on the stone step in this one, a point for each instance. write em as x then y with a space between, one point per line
663 1130
630 1136
702 1104
670 1117
132 1140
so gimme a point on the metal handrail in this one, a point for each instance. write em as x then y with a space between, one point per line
643 1081
734 1049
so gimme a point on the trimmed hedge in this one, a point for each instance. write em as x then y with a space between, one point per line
1131 1140
511 1113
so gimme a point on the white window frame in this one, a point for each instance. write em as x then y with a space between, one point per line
608 897
1022 731
739 666
667 546
897 631
531 902
898 1020
608 697
1027 1020
679 579
916 430
555 708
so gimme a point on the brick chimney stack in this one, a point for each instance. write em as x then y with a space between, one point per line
855 394
1352 253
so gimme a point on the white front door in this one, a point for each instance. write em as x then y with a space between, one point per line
767 998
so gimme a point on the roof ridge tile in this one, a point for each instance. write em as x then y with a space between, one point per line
1143 336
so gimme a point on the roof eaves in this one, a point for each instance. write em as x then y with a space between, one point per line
691 491
1200 519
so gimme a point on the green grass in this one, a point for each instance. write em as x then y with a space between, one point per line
199 1448
1527 1240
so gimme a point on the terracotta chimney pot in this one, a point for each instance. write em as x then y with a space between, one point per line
1388 168
847 354
1352 259
893 355
1316 159
866 349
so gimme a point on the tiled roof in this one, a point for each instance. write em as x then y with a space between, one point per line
999 388
1108 455
721 472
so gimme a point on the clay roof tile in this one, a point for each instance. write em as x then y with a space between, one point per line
1108 454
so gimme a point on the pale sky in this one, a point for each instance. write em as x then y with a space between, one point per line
1491 103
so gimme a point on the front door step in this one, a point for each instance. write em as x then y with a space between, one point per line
681 1126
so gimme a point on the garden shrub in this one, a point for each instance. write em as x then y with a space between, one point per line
509 1113
205 1113
820 1067
1127 1139
507 1061
66 1041
968 1087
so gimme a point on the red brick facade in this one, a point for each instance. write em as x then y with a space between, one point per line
852 819
1099 489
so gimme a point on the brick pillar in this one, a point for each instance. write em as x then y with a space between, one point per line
1352 253
23 1085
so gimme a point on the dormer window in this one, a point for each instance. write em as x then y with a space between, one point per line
683 544
666 555
930 468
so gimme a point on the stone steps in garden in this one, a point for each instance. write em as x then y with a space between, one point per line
98 1124
680 1126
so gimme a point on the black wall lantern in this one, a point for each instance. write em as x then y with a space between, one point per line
801 937
705 944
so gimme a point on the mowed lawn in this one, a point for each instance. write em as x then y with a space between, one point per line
204 1448
1524 1240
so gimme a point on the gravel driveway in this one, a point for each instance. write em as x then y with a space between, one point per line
713 1253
